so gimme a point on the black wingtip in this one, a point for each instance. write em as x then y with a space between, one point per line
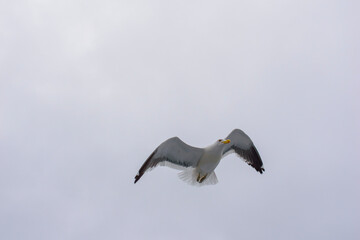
137 177
147 164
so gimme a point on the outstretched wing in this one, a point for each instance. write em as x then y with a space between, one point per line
245 148
173 153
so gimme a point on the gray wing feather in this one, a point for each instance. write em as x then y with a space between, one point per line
245 148
174 153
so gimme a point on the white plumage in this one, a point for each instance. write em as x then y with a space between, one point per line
198 164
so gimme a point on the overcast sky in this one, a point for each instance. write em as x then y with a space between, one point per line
88 89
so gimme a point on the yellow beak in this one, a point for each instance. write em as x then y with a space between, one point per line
226 141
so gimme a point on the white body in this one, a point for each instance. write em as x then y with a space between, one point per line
210 159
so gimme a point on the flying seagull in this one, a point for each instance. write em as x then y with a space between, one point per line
198 164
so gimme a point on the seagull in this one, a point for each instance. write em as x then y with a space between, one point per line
198 164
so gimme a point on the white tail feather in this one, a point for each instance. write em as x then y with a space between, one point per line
190 175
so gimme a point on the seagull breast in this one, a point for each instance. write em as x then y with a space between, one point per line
211 158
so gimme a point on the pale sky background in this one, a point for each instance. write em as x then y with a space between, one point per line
88 89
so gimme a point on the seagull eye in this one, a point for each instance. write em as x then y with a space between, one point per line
219 140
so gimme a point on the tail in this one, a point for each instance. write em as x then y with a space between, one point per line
190 176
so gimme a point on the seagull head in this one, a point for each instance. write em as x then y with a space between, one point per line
222 141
